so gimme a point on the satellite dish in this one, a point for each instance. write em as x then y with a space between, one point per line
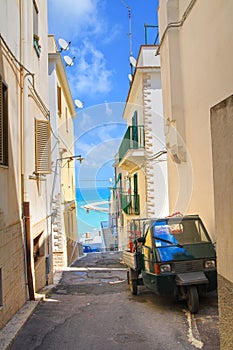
130 77
78 103
133 61
69 61
64 44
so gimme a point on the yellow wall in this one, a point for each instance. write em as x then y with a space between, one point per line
67 166
222 142
196 74
196 57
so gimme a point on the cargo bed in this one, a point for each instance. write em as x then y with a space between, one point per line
132 260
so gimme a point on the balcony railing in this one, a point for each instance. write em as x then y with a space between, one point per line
130 203
133 139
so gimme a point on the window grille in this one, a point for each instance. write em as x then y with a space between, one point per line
43 147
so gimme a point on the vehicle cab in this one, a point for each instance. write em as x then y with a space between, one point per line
178 258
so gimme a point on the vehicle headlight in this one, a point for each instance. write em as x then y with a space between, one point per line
210 264
165 268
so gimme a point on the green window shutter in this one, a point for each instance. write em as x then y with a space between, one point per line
43 147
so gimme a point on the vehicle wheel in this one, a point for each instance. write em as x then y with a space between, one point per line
193 299
133 287
128 277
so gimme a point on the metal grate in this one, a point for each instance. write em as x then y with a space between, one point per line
188 266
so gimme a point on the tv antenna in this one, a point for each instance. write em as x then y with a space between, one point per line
64 45
133 61
78 104
130 26
69 61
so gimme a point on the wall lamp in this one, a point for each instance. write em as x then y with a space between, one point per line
70 158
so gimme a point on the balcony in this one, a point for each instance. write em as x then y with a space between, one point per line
132 149
130 203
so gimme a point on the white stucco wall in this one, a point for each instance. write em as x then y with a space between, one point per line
205 78
14 178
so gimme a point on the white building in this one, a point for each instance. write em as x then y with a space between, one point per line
25 240
141 168
63 193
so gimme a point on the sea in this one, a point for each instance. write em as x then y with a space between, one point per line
89 221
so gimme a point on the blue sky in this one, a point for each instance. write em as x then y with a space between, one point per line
99 35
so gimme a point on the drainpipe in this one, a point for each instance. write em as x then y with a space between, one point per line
26 213
25 149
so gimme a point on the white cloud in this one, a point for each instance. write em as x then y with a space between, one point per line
85 23
74 18
90 74
113 33
98 156
100 135
100 119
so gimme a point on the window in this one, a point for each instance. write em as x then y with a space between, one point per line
135 119
38 247
43 147
35 29
59 106
3 123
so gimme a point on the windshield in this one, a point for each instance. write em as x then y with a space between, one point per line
173 237
179 232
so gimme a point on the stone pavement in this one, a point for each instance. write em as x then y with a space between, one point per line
11 329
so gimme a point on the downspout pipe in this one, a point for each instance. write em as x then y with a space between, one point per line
175 24
25 149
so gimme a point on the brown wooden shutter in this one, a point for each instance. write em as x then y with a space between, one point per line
59 106
43 147
1 123
5 123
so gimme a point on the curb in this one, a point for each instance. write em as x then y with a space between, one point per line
12 328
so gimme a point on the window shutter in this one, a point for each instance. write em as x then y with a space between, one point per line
43 147
59 106
5 123
1 123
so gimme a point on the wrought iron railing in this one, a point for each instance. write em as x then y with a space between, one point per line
134 138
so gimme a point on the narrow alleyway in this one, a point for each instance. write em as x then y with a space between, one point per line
92 308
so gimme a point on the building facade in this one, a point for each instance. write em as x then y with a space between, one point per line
141 169
37 179
25 244
196 81
63 197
